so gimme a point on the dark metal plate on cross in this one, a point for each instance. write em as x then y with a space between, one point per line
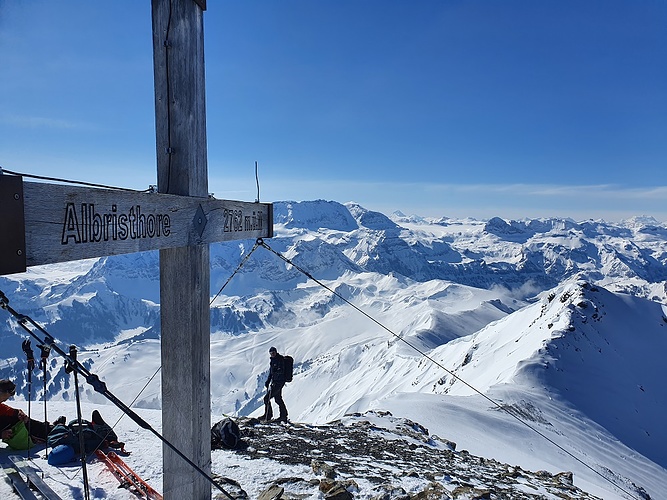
12 249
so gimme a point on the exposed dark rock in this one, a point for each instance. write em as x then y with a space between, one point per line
470 493
391 492
335 490
434 491
274 492
233 488
323 469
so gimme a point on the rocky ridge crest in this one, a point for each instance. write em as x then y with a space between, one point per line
376 456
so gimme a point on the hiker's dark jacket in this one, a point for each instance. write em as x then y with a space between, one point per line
276 370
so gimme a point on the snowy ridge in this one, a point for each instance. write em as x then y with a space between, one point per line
559 321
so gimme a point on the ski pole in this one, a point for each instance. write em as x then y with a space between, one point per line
45 354
268 409
27 349
70 367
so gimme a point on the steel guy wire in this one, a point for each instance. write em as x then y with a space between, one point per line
257 243
68 181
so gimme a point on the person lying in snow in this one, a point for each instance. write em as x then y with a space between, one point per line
65 439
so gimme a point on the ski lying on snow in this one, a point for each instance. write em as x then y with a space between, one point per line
18 483
127 477
33 478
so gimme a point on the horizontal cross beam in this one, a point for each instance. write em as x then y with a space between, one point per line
60 223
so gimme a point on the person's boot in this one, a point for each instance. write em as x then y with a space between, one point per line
96 418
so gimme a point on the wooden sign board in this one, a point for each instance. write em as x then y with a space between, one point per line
64 223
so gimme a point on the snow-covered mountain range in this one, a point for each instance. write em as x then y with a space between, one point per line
536 342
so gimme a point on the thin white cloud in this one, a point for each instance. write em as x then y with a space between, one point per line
38 122
579 202
524 190
602 190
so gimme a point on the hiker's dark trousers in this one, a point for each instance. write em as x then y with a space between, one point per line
275 392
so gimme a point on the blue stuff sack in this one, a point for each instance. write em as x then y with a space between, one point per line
61 454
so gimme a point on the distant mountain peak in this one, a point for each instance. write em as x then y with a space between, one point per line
370 219
313 215
640 221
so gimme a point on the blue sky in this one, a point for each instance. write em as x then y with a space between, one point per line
440 108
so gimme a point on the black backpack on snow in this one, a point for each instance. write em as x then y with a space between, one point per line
226 434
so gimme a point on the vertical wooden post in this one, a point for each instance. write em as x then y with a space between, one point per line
180 113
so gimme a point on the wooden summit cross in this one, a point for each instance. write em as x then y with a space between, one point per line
47 223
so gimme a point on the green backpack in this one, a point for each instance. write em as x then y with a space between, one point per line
20 439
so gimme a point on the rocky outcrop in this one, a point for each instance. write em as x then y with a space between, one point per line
375 456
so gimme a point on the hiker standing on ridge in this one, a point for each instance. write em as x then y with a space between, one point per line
274 384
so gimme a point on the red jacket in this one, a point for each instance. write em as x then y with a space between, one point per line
8 411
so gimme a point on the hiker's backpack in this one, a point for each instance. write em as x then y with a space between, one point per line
226 434
289 368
